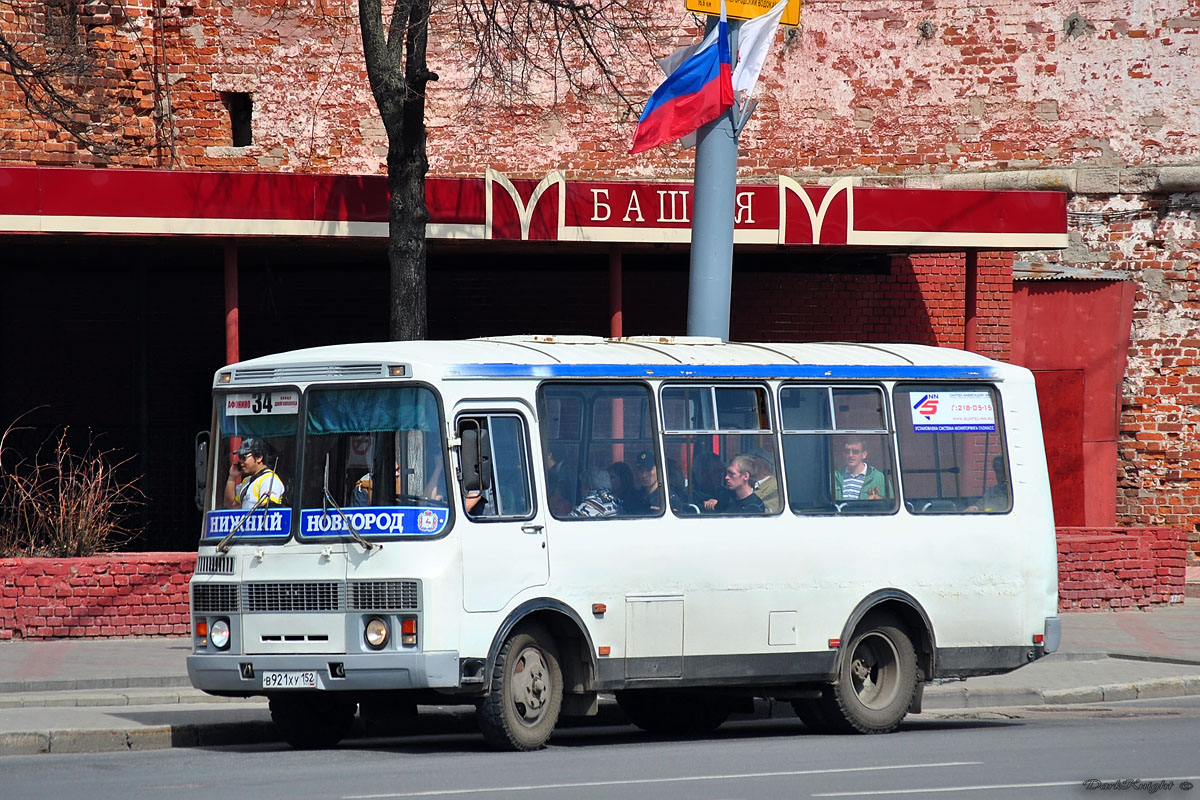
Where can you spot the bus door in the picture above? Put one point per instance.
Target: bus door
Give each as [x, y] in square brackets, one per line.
[503, 533]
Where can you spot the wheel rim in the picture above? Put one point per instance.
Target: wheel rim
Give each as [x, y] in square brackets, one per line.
[531, 689]
[874, 670]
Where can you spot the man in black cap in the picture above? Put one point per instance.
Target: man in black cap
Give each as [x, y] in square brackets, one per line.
[645, 474]
[251, 482]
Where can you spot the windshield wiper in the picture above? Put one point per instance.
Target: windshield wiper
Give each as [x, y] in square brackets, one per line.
[223, 545]
[329, 501]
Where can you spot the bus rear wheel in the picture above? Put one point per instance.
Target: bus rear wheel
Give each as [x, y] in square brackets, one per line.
[312, 721]
[522, 705]
[674, 713]
[876, 681]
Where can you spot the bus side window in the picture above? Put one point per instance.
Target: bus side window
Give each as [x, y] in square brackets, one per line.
[837, 450]
[952, 451]
[495, 476]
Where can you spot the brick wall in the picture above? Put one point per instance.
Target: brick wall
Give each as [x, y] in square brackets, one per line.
[135, 594]
[146, 594]
[920, 300]
[1120, 568]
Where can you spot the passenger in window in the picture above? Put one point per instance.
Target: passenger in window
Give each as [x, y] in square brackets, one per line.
[738, 481]
[765, 485]
[858, 480]
[251, 483]
[648, 499]
[364, 489]
[621, 477]
[598, 499]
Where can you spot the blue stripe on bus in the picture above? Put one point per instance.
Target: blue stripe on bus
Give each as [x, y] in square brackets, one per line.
[820, 371]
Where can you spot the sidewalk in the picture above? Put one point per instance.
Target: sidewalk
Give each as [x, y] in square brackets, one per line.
[71, 696]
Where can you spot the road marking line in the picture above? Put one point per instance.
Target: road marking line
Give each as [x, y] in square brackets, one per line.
[636, 781]
[931, 790]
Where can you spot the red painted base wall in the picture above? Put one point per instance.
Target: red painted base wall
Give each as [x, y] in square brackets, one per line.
[1120, 568]
[116, 595]
[146, 594]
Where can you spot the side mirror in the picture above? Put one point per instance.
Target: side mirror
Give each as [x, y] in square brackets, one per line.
[476, 457]
[200, 454]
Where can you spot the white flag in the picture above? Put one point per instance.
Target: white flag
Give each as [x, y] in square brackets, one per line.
[754, 43]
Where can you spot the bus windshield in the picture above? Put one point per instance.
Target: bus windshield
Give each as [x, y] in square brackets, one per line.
[373, 462]
[256, 451]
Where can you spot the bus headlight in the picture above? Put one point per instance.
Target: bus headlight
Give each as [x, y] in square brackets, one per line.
[218, 634]
[376, 634]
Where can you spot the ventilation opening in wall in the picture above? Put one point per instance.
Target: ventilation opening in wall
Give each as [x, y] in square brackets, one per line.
[241, 112]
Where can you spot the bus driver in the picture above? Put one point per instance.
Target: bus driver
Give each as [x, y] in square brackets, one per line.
[250, 479]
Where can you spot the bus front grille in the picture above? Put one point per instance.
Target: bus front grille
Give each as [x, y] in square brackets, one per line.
[292, 596]
[384, 596]
[214, 565]
[215, 598]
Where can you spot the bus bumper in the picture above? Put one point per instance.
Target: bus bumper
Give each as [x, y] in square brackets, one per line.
[350, 672]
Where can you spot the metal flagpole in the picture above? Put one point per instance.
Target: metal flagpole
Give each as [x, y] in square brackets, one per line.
[714, 190]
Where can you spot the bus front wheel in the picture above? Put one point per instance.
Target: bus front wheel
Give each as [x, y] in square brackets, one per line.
[312, 721]
[522, 705]
[876, 681]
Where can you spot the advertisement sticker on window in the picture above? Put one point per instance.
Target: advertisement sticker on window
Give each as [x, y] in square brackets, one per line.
[953, 412]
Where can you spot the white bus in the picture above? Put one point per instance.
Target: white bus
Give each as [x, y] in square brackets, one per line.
[522, 523]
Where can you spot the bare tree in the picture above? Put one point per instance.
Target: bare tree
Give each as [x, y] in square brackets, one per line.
[511, 46]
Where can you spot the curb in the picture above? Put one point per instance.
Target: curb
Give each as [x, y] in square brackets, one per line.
[946, 698]
[445, 719]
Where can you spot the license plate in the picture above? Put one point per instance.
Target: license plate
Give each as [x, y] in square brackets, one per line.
[305, 679]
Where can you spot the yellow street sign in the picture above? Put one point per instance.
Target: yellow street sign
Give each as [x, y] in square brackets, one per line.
[746, 9]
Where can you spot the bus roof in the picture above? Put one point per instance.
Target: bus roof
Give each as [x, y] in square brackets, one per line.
[540, 357]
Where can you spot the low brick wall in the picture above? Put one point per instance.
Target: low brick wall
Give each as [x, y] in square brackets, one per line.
[118, 594]
[1120, 568]
[146, 594]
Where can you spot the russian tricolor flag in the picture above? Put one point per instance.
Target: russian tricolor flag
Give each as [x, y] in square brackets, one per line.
[699, 91]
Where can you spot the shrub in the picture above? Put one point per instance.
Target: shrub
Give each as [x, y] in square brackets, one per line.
[62, 504]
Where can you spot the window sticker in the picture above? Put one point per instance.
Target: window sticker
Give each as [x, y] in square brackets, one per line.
[258, 524]
[258, 403]
[374, 521]
[939, 412]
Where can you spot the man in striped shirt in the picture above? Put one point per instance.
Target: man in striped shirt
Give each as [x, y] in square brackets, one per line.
[858, 480]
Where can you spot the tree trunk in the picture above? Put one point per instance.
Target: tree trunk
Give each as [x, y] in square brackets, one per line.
[398, 74]
[407, 216]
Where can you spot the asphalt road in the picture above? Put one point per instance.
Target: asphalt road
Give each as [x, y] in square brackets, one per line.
[1042, 752]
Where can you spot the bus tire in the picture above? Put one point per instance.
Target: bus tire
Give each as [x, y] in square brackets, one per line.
[674, 713]
[525, 697]
[876, 681]
[312, 721]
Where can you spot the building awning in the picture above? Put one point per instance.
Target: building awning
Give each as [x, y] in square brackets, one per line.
[56, 200]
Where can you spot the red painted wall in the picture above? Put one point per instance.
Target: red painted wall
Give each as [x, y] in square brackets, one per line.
[1080, 326]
